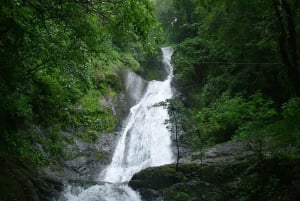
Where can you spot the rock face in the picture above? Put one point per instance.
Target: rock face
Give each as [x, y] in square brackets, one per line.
[21, 181]
[212, 178]
[230, 152]
[84, 161]
[190, 182]
[228, 172]
[81, 161]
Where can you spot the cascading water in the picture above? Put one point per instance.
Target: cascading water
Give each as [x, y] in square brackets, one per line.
[144, 141]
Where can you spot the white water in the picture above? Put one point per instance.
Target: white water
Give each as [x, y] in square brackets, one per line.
[134, 87]
[144, 142]
[105, 192]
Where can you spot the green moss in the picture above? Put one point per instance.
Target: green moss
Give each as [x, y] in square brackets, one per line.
[113, 82]
[69, 140]
[88, 135]
[101, 156]
[91, 119]
[181, 196]
[90, 101]
[131, 62]
[72, 157]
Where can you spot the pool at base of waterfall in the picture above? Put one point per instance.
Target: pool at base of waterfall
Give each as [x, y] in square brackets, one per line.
[101, 192]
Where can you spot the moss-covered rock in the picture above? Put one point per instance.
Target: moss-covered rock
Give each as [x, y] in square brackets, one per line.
[190, 182]
[276, 179]
[155, 178]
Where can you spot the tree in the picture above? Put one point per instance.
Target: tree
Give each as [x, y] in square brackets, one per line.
[56, 53]
[175, 123]
[59, 39]
[287, 41]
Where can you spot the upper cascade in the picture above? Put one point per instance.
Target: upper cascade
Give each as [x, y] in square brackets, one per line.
[144, 140]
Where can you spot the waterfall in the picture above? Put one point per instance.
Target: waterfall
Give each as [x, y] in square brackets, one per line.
[144, 142]
[134, 87]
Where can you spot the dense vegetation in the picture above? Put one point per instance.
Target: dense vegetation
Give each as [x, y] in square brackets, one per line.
[237, 65]
[58, 61]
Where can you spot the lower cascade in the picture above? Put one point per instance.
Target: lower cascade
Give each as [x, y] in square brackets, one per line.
[144, 142]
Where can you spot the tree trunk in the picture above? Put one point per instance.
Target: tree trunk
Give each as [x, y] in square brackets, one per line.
[288, 44]
[177, 140]
[177, 146]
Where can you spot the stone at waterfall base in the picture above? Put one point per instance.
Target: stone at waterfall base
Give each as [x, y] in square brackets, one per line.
[227, 174]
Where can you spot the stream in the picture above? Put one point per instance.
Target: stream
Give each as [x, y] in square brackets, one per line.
[144, 142]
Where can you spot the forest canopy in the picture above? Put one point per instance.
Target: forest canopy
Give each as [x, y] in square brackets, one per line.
[58, 56]
[237, 65]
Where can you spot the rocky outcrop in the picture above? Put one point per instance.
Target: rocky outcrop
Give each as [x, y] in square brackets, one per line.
[228, 172]
[83, 161]
[20, 180]
[190, 182]
[230, 152]
[211, 175]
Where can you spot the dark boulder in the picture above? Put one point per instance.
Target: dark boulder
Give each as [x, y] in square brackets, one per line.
[20, 180]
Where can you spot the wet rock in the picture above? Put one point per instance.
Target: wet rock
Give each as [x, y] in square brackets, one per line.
[211, 179]
[154, 178]
[79, 165]
[133, 87]
[227, 152]
[49, 188]
[150, 194]
[84, 161]
[168, 184]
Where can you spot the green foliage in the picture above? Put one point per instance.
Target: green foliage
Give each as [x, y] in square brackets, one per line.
[101, 156]
[165, 13]
[58, 56]
[175, 123]
[50, 97]
[258, 115]
[230, 67]
[182, 196]
[276, 181]
[90, 118]
[131, 62]
[195, 74]
[230, 115]
[231, 32]
[90, 102]
[237, 64]
[288, 128]
[22, 143]
[213, 89]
